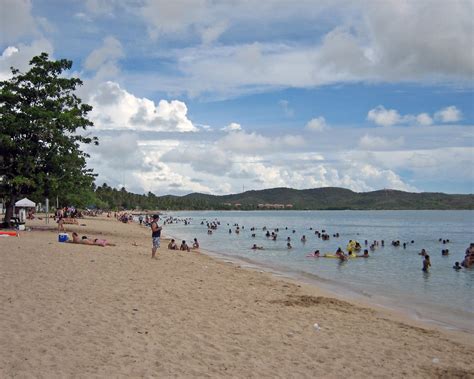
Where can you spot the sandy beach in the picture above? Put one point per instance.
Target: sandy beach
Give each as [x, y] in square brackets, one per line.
[72, 310]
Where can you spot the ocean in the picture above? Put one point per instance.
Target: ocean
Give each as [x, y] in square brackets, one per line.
[390, 277]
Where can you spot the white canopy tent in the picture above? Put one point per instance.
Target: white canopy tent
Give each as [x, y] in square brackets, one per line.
[25, 203]
[20, 208]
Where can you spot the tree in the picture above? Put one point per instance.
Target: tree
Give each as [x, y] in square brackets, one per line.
[40, 152]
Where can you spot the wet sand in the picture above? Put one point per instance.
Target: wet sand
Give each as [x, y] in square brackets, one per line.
[80, 311]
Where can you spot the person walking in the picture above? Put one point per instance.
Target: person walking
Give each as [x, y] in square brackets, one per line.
[155, 235]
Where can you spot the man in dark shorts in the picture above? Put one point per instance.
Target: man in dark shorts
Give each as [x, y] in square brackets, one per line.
[155, 235]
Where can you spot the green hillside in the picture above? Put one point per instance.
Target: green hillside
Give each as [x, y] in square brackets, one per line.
[328, 198]
[337, 198]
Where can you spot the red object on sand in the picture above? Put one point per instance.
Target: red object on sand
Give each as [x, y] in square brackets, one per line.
[12, 234]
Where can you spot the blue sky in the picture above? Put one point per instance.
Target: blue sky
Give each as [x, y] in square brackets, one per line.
[210, 96]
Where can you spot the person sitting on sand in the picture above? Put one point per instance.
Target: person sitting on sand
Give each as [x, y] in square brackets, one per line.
[172, 245]
[457, 266]
[365, 255]
[184, 246]
[426, 263]
[195, 244]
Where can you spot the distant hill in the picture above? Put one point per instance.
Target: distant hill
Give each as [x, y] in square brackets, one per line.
[327, 198]
[332, 198]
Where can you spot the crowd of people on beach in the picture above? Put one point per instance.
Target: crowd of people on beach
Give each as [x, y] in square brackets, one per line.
[353, 249]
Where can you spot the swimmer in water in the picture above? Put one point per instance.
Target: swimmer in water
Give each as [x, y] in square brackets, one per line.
[365, 255]
[255, 247]
[426, 263]
[340, 254]
[288, 246]
[316, 254]
[457, 266]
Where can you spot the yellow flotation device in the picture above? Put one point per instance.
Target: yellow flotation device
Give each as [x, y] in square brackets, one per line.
[353, 246]
[330, 255]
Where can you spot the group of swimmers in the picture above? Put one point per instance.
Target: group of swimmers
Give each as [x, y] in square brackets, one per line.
[352, 248]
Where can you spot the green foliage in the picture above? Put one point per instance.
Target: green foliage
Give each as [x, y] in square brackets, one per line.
[40, 152]
[318, 199]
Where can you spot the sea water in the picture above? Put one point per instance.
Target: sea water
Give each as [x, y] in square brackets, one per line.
[391, 276]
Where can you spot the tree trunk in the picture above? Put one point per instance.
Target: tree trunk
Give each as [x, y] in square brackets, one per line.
[10, 206]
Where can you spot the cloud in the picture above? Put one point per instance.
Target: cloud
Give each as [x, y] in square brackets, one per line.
[175, 17]
[424, 119]
[389, 117]
[367, 41]
[201, 158]
[101, 6]
[20, 55]
[317, 124]
[109, 52]
[379, 143]
[448, 114]
[253, 143]
[211, 33]
[232, 127]
[384, 117]
[115, 108]
[16, 20]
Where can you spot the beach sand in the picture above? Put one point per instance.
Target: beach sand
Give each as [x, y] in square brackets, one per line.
[86, 311]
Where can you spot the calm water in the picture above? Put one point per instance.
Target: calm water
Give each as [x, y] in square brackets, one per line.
[391, 276]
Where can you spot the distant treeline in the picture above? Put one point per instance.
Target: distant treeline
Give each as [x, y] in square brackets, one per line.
[329, 198]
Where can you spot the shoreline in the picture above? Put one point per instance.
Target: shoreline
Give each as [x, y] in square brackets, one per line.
[335, 289]
[78, 310]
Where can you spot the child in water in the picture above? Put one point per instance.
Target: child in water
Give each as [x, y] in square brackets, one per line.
[426, 263]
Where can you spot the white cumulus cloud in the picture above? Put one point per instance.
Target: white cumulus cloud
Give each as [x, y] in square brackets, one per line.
[232, 127]
[19, 56]
[317, 124]
[384, 117]
[448, 114]
[389, 117]
[115, 108]
[424, 119]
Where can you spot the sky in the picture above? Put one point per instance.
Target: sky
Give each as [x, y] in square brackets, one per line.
[225, 96]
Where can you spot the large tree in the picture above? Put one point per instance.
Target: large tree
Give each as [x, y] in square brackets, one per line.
[40, 150]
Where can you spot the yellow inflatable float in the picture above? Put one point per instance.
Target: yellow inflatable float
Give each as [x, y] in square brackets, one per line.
[353, 246]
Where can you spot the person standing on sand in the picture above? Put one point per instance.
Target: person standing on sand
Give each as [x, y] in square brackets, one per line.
[155, 235]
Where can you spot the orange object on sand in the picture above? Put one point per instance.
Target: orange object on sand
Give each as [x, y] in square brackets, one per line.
[12, 234]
